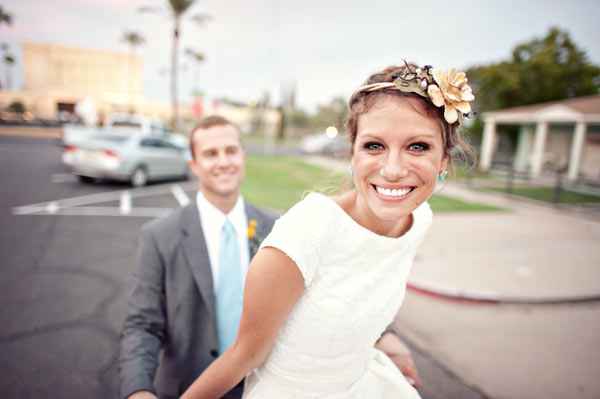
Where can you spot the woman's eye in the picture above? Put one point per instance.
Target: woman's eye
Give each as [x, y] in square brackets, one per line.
[372, 146]
[419, 147]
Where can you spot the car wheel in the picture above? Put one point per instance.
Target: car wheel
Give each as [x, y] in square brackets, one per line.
[139, 177]
[86, 179]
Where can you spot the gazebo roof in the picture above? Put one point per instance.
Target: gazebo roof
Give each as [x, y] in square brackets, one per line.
[586, 109]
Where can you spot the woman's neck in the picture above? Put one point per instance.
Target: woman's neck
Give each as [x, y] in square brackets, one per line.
[358, 210]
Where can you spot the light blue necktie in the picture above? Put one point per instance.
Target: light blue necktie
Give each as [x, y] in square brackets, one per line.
[229, 287]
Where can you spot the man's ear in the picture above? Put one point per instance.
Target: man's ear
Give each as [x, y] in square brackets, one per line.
[193, 166]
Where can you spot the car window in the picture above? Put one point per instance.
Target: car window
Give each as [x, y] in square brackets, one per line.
[148, 143]
[165, 144]
[126, 124]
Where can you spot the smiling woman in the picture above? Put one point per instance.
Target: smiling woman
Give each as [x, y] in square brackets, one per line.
[402, 142]
[328, 280]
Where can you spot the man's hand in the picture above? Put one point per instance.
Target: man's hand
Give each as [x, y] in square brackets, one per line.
[399, 353]
[143, 395]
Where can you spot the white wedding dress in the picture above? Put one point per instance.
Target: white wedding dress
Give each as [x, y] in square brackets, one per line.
[355, 282]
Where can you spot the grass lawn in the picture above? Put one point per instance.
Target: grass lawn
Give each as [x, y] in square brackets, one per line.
[279, 182]
[547, 194]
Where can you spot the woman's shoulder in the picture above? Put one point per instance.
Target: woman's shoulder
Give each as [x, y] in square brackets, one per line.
[312, 205]
[310, 217]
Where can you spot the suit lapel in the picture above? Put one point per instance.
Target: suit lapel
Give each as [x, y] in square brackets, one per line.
[196, 254]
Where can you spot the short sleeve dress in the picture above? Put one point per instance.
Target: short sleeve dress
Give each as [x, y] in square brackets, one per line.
[355, 281]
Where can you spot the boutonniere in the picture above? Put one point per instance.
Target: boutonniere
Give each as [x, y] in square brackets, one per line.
[254, 239]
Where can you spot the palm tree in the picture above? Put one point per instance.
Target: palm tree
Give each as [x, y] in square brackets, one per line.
[9, 60]
[5, 17]
[133, 39]
[177, 9]
[198, 58]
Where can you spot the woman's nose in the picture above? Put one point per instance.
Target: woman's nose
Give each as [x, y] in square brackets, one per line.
[394, 168]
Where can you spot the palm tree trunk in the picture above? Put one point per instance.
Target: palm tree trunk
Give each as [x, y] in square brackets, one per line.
[174, 74]
[129, 78]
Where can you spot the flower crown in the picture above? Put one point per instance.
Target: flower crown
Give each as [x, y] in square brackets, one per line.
[448, 89]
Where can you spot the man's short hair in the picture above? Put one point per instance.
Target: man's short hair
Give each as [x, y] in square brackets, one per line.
[207, 123]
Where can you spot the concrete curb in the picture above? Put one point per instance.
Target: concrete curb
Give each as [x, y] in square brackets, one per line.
[490, 297]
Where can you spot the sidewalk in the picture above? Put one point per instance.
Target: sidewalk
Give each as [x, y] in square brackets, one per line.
[531, 253]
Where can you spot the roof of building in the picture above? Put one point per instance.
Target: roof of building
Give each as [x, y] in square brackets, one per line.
[587, 107]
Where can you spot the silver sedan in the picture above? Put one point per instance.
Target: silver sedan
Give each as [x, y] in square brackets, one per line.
[134, 158]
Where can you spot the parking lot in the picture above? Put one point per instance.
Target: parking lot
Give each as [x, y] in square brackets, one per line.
[67, 249]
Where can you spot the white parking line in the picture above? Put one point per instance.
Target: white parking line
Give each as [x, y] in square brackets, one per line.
[81, 205]
[52, 207]
[180, 195]
[99, 197]
[125, 205]
[105, 211]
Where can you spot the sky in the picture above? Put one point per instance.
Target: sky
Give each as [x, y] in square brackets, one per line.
[325, 48]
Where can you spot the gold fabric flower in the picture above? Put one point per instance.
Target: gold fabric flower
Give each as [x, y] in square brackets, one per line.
[252, 229]
[451, 91]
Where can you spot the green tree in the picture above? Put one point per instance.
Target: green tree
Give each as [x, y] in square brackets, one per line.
[542, 69]
[17, 107]
[177, 9]
[133, 39]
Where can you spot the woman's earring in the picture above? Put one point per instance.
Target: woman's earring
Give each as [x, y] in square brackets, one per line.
[350, 170]
[441, 177]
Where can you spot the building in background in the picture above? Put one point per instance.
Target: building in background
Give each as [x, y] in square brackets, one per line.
[57, 78]
[558, 135]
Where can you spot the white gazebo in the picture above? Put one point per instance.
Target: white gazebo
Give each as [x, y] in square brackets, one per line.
[561, 126]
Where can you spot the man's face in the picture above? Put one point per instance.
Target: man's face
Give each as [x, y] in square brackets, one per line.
[219, 162]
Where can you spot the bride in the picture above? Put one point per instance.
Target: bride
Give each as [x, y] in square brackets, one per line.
[332, 274]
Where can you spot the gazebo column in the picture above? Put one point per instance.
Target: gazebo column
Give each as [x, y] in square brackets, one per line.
[537, 157]
[576, 150]
[487, 144]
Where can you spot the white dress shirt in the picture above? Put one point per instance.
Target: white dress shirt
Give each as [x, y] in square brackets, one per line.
[212, 219]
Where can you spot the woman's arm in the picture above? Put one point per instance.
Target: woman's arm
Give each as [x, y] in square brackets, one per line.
[273, 286]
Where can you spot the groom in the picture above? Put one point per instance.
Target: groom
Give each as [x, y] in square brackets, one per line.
[187, 294]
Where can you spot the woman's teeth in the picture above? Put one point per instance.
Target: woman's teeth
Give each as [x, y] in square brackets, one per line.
[392, 192]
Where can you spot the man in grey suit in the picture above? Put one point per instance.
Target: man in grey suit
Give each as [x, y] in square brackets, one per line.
[175, 301]
[176, 305]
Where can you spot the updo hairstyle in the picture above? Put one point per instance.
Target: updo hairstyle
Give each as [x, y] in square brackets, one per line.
[455, 146]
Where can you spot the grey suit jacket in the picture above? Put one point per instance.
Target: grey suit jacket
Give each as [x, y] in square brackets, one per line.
[171, 306]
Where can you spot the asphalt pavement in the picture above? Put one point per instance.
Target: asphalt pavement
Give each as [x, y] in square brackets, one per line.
[67, 252]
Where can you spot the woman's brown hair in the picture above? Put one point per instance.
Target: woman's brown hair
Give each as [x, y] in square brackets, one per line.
[361, 102]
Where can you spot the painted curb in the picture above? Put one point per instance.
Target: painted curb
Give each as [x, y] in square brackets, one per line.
[489, 297]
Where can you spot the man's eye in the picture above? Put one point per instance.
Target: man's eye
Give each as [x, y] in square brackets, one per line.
[372, 146]
[419, 147]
